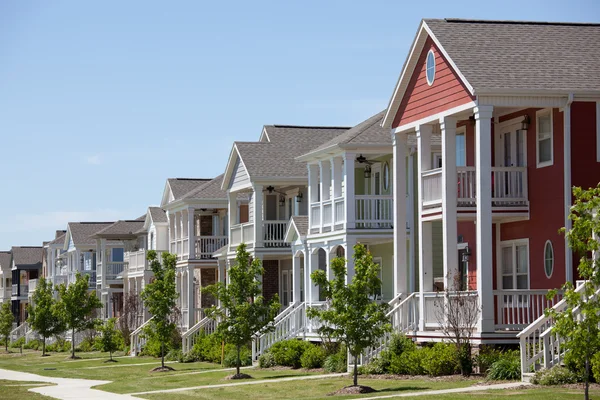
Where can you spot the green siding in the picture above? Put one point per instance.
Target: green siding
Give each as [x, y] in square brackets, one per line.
[386, 252]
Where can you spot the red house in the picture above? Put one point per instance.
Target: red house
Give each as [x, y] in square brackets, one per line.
[517, 105]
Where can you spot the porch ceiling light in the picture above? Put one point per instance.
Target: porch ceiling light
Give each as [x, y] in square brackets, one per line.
[363, 160]
[525, 123]
[270, 189]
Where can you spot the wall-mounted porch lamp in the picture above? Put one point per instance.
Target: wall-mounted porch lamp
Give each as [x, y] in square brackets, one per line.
[525, 123]
[363, 160]
[466, 254]
[299, 197]
[281, 201]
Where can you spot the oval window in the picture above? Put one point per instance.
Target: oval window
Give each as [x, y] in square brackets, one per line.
[430, 71]
[386, 176]
[548, 259]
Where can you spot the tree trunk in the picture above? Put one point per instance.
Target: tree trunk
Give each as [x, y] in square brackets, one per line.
[6, 344]
[43, 346]
[586, 395]
[237, 365]
[162, 355]
[73, 343]
[355, 371]
[110, 355]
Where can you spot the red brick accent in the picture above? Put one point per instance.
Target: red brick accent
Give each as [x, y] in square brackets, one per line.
[270, 283]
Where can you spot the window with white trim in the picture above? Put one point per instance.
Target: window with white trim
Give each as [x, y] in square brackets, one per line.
[461, 148]
[515, 264]
[548, 259]
[430, 68]
[544, 140]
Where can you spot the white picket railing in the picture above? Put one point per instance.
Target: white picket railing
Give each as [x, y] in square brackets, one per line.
[432, 187]
[288, 324]
[188, 338]
[374, 211]
[540, 346]
[207, 245]
[516, 309]
[339, 211]
[274, 233]
[242, 233]
[137, 339]
[315, 216]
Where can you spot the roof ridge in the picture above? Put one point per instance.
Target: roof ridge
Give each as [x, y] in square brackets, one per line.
[309, 126]
[93, 222]
[513, 22]
[376, 118]
[191, 179]
[29, 247]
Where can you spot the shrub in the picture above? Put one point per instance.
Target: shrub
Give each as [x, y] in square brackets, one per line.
[486, 357]
[289, 352]
[33, 345]
[408, 363]
[86, 345]
[266, 360]
[153, 345]
[507, 367]
[18, 343]
[375, 367]
[337, 362]
[174, 355]
[230, 359]
[441, 359]
[596, 367]
[207, 348]
[400, 344]
[555, 376]
[313, 357]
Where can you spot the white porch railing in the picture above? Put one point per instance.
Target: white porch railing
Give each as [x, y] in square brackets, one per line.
[206, 245]
[274, 233]
[327, 206]
[136, 261]
[137, 339]
[288, 324]
[59, 280]
[315, 215]
[509, 187]
[113, 269]
[374, 211]
[540, 347]
[188, 338]
[6, 292]
[339, 211]
[242, 233]
[32, 285]
[19, 332]
[516, 309]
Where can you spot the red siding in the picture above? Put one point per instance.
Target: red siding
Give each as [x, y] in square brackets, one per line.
[421, 100]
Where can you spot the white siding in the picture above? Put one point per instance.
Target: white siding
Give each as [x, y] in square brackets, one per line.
[239, 178]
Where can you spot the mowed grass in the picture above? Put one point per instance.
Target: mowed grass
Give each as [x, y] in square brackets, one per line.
[532, 393]
[126, 376]
[313, 389]
[17, 390]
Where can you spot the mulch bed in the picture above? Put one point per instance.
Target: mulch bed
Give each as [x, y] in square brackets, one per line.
[359, 389]
[166, 368]
[238, 376]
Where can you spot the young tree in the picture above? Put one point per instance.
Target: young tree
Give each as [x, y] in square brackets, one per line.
[77, 306]
[244, 311]
[6, 322]
[578, 323]
[130, 317]
[110, 339]
[160, 298]
[457, 312]
[44, 315]
[354, 317]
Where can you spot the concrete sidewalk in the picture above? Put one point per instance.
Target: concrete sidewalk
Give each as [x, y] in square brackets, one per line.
[65, 388]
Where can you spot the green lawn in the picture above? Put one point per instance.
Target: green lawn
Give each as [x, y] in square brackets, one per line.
[16, 390]
[534, 393]
[313, 389]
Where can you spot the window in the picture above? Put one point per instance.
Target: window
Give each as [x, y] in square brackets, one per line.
[117, 254]
[386, 176]
[548, 259]
[515, 265]
[545, 148]
[430, 71]
[152, 241]
[461, 149]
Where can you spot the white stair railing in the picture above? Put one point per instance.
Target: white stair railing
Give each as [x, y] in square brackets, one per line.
[539, 345]
[19, 332]
[288, 324]
[137, 339]
[188, 338]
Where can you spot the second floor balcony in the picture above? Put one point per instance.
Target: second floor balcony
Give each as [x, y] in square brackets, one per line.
[273, 234]
[370, 212]
[20, 290]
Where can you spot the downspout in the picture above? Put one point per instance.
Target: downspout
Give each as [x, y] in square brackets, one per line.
[567, 185]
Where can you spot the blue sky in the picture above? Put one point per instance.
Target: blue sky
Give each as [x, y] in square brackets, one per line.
[100, 102]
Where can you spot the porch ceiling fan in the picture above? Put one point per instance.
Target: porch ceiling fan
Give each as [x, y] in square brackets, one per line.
[363, 160]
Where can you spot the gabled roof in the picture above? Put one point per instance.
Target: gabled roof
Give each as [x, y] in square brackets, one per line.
[81, 232]
[298, 226]
[59, 238]
[209, 190]
[27, 255]
[181, 186]
[5, 260]
[158, 215]
[510, 57]
[120, 230]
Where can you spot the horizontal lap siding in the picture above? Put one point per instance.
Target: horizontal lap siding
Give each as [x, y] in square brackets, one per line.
[240, 177]
[421, 100]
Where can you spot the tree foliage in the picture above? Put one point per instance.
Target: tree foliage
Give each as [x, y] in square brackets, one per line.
[244, 311]
[353, 316]
[110, 339]
[578, 323]
[77, 306]
[6, 322]
[44, 314]
[160, 297]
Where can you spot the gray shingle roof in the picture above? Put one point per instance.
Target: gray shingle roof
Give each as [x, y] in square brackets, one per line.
[121, 227]
[209, 190]
[301, 223]
[81, 232]
[60, 239]
[522, 55]
[5, 260]
[182, 186]
[158, 215]
[27, 256]
[277, 158]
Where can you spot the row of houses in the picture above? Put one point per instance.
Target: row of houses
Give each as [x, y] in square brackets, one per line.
[468, 173]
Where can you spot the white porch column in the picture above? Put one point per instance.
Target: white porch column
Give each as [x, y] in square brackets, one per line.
[349, 191]
[325, 173]
[336, 187]
[296, 265]
[191, 234]
[449, 199]
[400, 205]
[425, 245]
[313, 289]
[483, 168]
[104, 265]
[257, 211]
[350, 242]
[567, 182]
[191, 298]
[313, 188]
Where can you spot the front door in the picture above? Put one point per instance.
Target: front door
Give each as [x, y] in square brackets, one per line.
[463, 269]
[286, 288]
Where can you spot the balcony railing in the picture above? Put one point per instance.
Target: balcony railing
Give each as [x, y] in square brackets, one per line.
[509, 187]
[374, 211]
[20, 290]
[242, 233]
[59, 280]
[6, 292]
[32, 285]
[205, 246]
[274, 233]
[112, 270]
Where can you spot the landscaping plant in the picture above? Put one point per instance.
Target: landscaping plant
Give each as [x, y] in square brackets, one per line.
[110, 338]
[6, 322]
[353, 317]
[77, 306]
[244, 311]
[507, 367]
[44, 315]
[159, 297]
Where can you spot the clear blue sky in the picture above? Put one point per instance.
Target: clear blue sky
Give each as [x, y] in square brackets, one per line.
[100, 102]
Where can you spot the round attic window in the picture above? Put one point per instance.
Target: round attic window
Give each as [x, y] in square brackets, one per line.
[430, 71]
